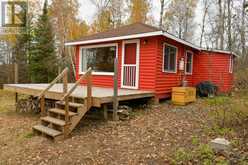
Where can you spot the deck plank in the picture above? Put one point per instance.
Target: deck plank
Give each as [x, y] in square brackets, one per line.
[100, 94]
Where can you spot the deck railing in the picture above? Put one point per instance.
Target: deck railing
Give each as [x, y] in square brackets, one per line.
[41, 97]
[129, 72]
[87, 77]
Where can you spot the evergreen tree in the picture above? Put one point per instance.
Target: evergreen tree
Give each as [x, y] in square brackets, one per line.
[21, 53]
[43, 60]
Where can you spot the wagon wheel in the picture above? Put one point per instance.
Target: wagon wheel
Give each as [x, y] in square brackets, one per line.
[22, 105]
[34, 104]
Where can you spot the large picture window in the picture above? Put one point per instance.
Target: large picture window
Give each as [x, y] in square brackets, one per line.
[170, 58]
[100, 58]
[189, 62]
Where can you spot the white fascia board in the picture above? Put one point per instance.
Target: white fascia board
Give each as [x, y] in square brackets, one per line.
[156, 33]
[181, 41]
[220, 51]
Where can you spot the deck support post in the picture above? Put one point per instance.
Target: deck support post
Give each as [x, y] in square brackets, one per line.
[154, 101]
[105, 111]
[115, 98]
[16, 100]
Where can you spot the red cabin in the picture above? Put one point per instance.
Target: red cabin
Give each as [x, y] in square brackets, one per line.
[151, 59]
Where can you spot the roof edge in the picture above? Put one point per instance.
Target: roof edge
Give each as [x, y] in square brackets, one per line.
[133, 36]
[220, 51]
[168, 35]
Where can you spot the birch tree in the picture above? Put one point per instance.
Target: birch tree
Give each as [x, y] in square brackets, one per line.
[206, 4]
[179, 18]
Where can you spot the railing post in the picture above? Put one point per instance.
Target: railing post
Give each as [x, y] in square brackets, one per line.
[65, 90]
[89, 89]
[115, 98]
[42, 105]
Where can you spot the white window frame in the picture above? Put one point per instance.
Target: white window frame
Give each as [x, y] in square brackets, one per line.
[231, 63]
[163, 69]
[186, 58]
[96, 46]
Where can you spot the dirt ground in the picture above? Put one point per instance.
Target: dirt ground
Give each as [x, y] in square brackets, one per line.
[151, 136]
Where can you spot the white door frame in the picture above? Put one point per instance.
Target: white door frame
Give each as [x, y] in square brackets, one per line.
[137, 41]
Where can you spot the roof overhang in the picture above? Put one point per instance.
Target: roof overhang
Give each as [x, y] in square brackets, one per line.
[220, 51]
[156, 33]
[168, 35]
[150, 34]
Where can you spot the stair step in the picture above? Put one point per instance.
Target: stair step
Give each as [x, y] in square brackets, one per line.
[61, 111]
[53, 120]
[71, 104]
[47, 130]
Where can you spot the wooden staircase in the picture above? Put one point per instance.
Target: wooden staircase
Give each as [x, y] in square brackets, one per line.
[54, 125]
[60, 121]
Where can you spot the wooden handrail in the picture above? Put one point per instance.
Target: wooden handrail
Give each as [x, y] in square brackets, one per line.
[67, 94]
[41, 96]
[77, 83]
[61, 75]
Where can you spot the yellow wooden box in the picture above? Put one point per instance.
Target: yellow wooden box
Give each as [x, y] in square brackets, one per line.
[183, 95]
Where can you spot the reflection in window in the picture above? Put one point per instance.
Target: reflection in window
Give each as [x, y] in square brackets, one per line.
[100, 59]
[170, 54]
[189, 62]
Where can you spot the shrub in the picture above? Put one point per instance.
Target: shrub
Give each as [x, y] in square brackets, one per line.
[206, 88]
[181, 156]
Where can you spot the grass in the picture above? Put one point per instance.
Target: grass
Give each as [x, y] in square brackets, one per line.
[7, 101]
[228, 117]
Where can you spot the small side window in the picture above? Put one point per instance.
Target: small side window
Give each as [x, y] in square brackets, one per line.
[189, 62]
[231, 64]
[170, 59]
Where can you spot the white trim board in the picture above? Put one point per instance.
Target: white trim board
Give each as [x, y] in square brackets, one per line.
[137, 41]
[149, 34]
[186, 58]
[80, 72]
[176, 64]
[156, 33]
[220, 51]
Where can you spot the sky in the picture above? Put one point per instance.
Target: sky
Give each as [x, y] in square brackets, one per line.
[87, 12]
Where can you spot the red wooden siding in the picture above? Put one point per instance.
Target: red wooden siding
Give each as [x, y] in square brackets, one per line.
[165, 81]
[214, 67]
[211, 66]
[147, 70]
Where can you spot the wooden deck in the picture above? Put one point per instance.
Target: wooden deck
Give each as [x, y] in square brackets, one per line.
[100, 95]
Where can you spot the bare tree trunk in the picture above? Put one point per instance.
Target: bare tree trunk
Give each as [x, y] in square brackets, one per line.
[185, 33]
[243, 40]
[206, 6]
[221, 25]
[229, 24]
[161, 14]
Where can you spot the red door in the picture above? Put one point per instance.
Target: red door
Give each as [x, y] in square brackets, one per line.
[129, 66]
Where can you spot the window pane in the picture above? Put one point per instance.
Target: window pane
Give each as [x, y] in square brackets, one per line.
[166, 58]
[189, 62]
[99, 59]
[170, 58]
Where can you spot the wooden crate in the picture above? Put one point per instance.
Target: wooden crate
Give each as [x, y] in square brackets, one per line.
[183, 95]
